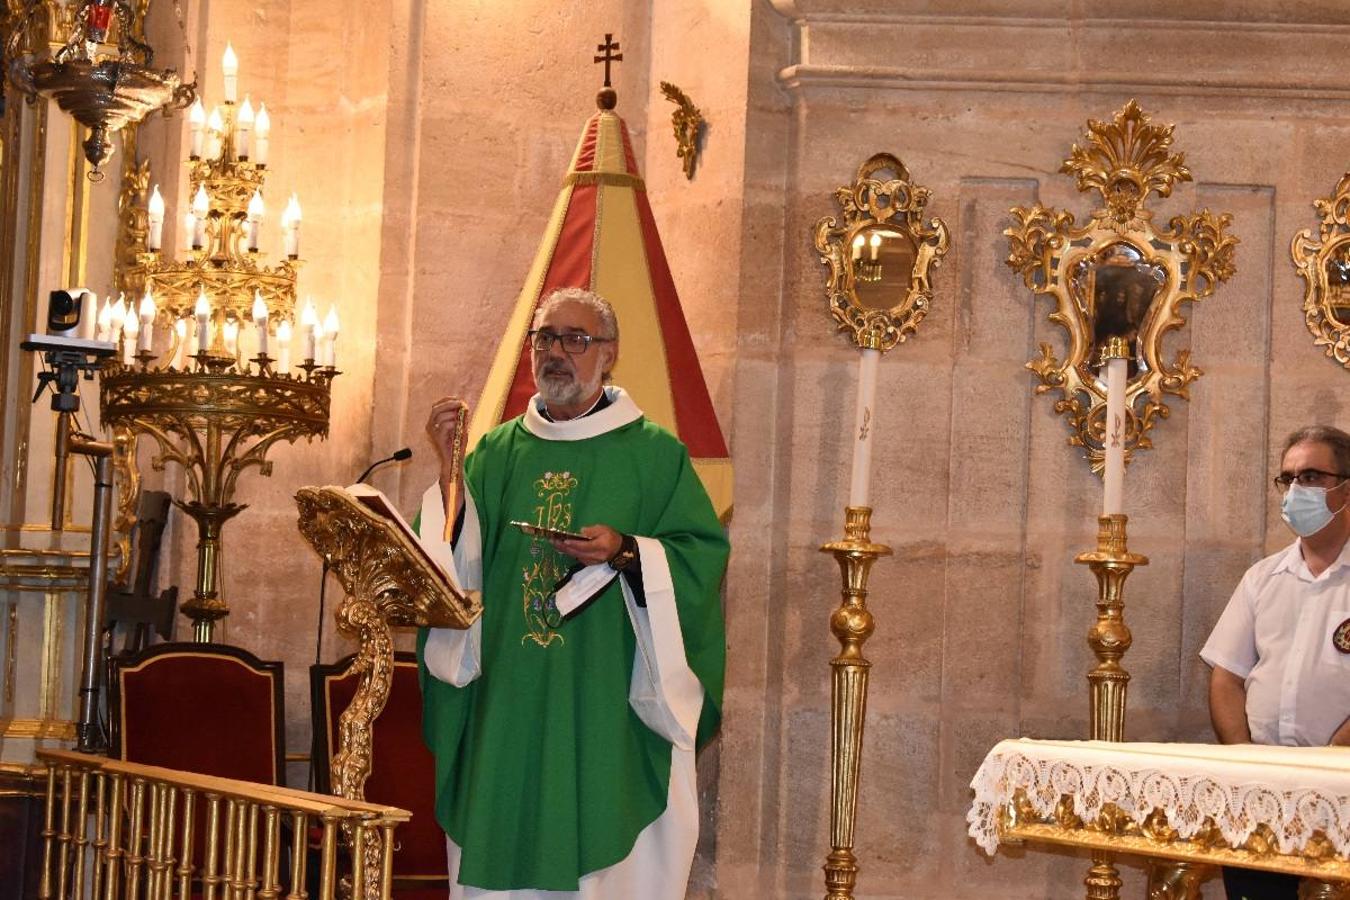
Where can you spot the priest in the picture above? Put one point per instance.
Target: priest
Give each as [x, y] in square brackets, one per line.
[565, 721]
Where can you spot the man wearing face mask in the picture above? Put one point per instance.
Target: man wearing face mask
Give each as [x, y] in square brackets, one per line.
[1280, 653]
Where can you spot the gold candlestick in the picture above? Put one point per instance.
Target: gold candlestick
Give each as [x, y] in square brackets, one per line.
[852, 624]
[1108, 681]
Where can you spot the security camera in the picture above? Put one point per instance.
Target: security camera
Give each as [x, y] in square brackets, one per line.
[68, 310]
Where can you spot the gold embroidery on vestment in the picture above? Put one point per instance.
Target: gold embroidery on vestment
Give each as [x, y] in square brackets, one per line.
[546, 565]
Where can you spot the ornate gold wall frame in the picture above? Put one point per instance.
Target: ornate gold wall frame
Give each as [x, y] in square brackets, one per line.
[1119, 275]
[1324, 265]
[687, 120]
[881, 255]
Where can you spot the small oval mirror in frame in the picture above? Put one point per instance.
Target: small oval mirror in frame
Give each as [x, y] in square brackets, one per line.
[881, 255]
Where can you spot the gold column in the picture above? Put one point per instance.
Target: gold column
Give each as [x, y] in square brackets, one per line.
[1108, 681]
[852, 624]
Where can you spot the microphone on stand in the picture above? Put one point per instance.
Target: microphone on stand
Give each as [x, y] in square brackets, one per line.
[398, 456]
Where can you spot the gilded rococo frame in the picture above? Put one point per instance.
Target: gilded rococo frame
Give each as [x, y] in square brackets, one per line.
[1118, 275]
[883, 220]
[1324, 265]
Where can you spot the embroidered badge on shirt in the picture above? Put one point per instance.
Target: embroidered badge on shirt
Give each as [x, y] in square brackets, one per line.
[1340, 638]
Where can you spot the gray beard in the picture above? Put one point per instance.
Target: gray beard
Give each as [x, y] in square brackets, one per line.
[566, 393]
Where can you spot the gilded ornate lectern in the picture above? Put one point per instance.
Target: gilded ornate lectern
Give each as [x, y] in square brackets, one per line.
[390, 581]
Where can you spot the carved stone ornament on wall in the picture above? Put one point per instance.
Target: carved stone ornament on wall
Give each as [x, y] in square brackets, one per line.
[1118, 275]
[881, 255]
[1324, 266]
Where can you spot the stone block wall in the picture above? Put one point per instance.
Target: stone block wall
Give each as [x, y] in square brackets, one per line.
[433, 147]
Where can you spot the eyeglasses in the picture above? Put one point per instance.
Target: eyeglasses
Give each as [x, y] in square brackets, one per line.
[573, 344]
[1309, 478]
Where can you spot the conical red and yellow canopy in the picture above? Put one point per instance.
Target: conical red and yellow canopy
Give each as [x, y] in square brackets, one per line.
[602, 237]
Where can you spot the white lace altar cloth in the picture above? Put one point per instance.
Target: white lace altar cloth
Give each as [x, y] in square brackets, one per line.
[1295, 791]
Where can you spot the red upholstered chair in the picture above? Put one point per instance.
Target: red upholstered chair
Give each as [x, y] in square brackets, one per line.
[403, 772]
[204, 708]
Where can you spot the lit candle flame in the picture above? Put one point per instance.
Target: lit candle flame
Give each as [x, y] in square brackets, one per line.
[156, 209]
[263, 123]
[147, 308]
[255, 206]
[229, 63]
[245, 119]
[201, 204]
[260, 310]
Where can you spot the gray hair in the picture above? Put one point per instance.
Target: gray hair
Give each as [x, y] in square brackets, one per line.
[1333, 437]
[609, 323]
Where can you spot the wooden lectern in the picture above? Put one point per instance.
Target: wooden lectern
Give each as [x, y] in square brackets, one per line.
[390, 580]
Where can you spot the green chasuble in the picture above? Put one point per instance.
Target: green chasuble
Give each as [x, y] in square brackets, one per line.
[544, 773]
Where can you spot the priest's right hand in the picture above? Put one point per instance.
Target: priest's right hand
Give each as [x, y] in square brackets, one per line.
[443, 428]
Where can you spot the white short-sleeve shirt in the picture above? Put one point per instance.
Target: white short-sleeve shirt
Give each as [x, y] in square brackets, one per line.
[1276, 633]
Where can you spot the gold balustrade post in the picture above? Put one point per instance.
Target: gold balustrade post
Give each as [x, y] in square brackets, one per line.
[184, 871]
[271, 874]
[134, 857]
[100, 843]
[1108, 682]
[852, 624]
[299, 831]
[63, 837]
[48, 837]
[115, 852]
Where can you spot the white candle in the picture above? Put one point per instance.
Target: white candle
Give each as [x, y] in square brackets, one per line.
[874, 242]
[89, 316]
[147, 317]
[290, 222]
[180, 343]
[230, 64]
[201, 207]
[189, 230]
[231, 335]
[260, 322]
[1114, 439]
[130, 332]
[243, 126]
[864, 426]
[309, 324]
[105, 320]
[196, 127]
[262, 131]
[117, 317]
[216, 136]
[202, 311]
[857, 247]
[283, 347]
[155, 219]
[255, 214]
[331, 327]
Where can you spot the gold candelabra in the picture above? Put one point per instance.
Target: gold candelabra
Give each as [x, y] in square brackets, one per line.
[1108, 682]
[217, 408]
[852, 624]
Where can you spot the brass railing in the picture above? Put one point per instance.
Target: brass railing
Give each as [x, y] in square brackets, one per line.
[120, 830]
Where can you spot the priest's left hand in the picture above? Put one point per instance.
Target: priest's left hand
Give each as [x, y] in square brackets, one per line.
[603, 543]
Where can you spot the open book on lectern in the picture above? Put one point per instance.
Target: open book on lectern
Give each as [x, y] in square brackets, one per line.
[439, 556]
[372, 548]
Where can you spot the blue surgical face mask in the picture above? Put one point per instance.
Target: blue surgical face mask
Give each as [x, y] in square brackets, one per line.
[1305, 510]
